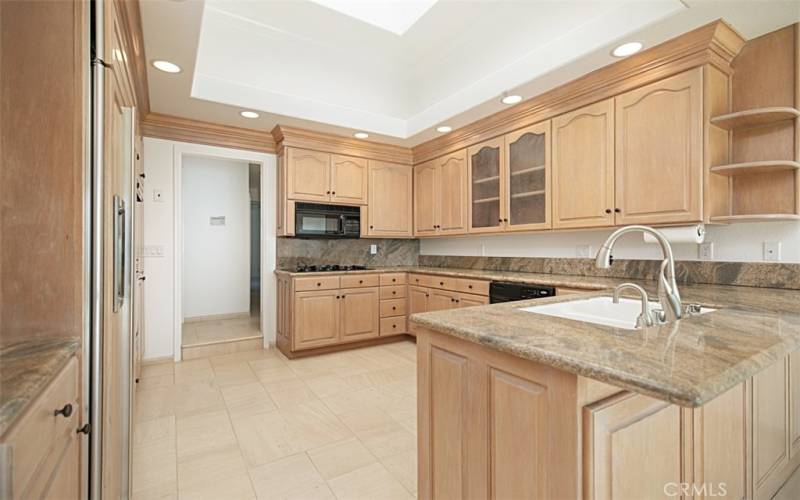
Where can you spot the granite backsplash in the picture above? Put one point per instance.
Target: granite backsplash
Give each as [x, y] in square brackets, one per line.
[304, 251]
[756, 274]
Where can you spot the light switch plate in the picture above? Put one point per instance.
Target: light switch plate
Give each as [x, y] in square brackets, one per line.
[772, 250]
[154, 250]
[706, 251]
[373, 249]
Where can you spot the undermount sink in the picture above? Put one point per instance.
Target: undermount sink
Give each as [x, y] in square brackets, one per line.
[600, 311]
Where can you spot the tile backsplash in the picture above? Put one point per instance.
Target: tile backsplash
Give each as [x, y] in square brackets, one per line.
[391, 252]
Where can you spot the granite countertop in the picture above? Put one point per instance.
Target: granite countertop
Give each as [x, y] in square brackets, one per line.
[688, 362]
[25, 370]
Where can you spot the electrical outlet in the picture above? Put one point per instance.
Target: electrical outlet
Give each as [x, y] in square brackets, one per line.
[373, 249]
[706, 251]
[158, 195]
[584, 251]
[772, 250]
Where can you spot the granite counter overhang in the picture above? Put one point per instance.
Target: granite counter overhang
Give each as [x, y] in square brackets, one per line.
[689, 362]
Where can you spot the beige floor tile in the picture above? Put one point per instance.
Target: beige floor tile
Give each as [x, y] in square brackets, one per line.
[356, 401]
[275, 376]
[381, 434]
[264, 437]
[216, 474]
[154, 403]
[293, 477]
[247, 399]
[160, 368]
[154, 466]
[312, 424]
[288, 393]
[150, 431]
[236, 357]
[341, 457]
[233, 373]
[156, 381]
[204, 433]
[403, 467]
[370, 482]
[267, 363]
[194, 376]
[167, 491]
[202, 397]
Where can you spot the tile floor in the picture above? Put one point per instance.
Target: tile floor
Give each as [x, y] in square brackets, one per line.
[257, 425]
[223, 330]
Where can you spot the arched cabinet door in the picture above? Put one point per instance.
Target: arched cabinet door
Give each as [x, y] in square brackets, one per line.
[425, 199]
[308, 175]
[528, 178]
[348, 180]
[451, 188]
[486, 187]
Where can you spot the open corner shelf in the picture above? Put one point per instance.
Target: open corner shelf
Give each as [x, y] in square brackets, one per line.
[754, 117]
[726, 219]
[756, 167]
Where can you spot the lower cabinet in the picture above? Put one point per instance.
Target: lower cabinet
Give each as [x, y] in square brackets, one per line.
[359, 314]
[316, 318]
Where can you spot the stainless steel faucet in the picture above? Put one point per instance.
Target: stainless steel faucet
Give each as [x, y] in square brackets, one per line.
[672, 308]
[645, 317]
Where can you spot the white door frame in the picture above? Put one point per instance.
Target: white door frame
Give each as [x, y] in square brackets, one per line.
[267, 163]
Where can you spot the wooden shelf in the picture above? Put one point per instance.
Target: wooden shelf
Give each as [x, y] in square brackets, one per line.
[486, 179]
[485, 200]
[754, 117]
[754, 218]
[756, 167]
[527, 193]
[527, 170]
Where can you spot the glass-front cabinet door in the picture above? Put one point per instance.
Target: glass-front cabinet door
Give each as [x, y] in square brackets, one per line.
[528, 178]
[487, 210]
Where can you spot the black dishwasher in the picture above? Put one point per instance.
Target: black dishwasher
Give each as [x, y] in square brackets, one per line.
[504, 291]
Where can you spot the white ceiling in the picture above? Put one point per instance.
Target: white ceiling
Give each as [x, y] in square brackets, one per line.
[298, 62]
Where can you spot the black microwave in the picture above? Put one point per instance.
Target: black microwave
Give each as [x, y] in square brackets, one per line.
[313, 220]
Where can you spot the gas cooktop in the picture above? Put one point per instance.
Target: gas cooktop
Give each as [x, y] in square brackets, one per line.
[327, 268]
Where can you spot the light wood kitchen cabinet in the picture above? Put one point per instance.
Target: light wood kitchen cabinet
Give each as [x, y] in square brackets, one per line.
[583, 167]
[418, 299]
[528, 178]
[425, 199]
[659, 151]
[316, 318]
[325, 178]
[349, 180]
[359, 313]
[469, 300]
[486, 166]
[390, 207]
[771, 429]
[440, 300]
[440, 196]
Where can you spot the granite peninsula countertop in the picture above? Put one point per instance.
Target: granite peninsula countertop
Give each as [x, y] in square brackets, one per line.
[688, 362]
[25, 370]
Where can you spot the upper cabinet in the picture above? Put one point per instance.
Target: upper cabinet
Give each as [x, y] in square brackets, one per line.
[527, 177]
[583, 167]
[390, 194]
[486, 186]
[325, 178]
[659, 151]
[440, 195]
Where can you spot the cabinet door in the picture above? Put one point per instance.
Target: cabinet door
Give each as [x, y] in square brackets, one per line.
[439, 300]
[66, 480]
[583, 167]
[349, 180]
[770, 429]
[360, 313]
[390, 200]
[469, 300]
[308, 175]
[486, 209]
[452, 193]
[418, 299]
[659, 151]
[316, 318]
[527, 177]
[425, 199]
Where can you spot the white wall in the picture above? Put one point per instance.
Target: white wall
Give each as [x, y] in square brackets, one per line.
[216, 258]
[162, 311]
[733, 243]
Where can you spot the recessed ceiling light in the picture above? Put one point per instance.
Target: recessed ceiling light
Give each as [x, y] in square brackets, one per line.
[361, 135]
[444, 129]
[249, 114]
[511, 99]
[627, 49]
[167, 66]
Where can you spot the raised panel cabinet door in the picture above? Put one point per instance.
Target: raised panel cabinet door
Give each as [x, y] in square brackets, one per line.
[583, 167]
[659, 151]
[452, 193]
[486, 193]
[469, 300]
[439, 300]
[794, 403]
[770, 429]
[308, 175]
[316, 318]
[425, 199]
[527, 178]
[66, 480]
[360, 313]
[418, 299]
[390, 200]
[632, 448]
[349, 179]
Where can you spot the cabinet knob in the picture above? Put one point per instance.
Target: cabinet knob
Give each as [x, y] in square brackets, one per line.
[327, 192]
[469, 286]
[608, 210]
[394, 292]
[371, 227]
[338, 297]
[394, 280]
[86, 429]
[394, 308]
[499, 220]
[452, 300]
[343, 296]
[394, 326]
[319, 284]
[505, 220]
[333, 192]
[441, 283]
[427, 295]
[617, 210]
[360, 281]
[66, 411]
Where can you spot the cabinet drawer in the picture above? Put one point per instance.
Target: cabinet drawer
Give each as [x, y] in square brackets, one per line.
[393, 307]
[420, 280]
[393, 292]
[477, 287]
[443, 282]
[41, 432]
[359, 281]
[393, 326]
[393, 279]
[316, 283]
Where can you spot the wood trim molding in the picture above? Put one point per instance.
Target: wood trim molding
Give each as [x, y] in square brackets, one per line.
[130, 22]
[161, 126]
[715, 43]
[300, 138]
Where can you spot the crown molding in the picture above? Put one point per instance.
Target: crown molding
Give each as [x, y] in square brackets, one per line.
[130, 22]
[174, 128]
[300, 138]
[715, 43]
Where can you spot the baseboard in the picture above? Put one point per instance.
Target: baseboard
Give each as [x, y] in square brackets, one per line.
[160, 359]
[217, 317]
[220, 348]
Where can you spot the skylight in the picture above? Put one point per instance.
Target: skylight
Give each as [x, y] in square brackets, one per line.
[396, 16]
